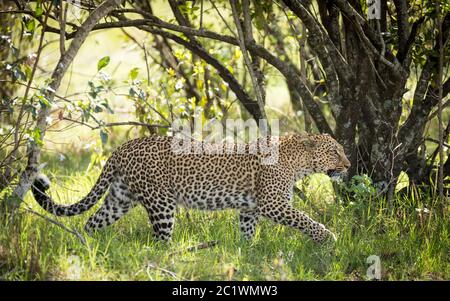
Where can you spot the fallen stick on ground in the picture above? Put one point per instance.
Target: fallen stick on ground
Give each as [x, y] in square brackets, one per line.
[203, 245]
[173, 274]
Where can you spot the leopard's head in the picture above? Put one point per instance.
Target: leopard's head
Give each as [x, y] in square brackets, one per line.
[328, 156]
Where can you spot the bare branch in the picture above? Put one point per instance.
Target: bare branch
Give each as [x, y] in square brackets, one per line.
[402, 22]
[248, 38]
[113, 124]
[62, 26]
[438, 142]
[248, 63]
[61, 225]
[200, 246]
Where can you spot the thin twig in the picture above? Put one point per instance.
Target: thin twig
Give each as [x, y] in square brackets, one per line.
[146, 63]
[71, 231]
[112, 124]
[437, 142]
[62, 25]
[221, 17]
[201, 14]
[173, 274]
[439, 110]
[241, 40]
[435, 113]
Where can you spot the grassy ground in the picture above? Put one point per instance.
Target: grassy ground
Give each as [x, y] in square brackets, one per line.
[410, 243]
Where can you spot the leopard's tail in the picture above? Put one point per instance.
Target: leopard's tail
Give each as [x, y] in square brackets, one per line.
[42, 183]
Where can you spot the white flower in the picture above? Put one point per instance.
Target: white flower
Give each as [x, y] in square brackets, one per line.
[70, 107]
[28, 137]
[48, 119]
[179, 84]
[61, 157]
[88, 146]
[104, 76]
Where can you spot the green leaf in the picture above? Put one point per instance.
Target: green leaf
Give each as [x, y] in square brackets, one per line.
[103, 136]
[43, 101]
[98, 109]
[107, 107]
[31, 25]
[133, 73]
[35, 136]
[132, 92]
[39, 11]
[28, 71]
[18, 74]
[103, 62]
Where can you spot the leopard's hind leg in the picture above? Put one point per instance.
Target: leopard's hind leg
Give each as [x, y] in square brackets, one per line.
[161, 212]
[118, 202]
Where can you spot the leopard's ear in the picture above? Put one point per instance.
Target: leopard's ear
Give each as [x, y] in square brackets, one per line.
[309, 143]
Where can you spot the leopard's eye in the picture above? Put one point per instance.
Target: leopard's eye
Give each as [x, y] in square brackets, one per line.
[337, 155]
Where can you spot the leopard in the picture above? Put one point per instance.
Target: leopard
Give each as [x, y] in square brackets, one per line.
[149, 171]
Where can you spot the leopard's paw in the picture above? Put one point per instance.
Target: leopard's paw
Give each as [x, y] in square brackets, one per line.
[325, 236]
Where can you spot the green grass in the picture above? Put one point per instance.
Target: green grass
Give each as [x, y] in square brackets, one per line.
[411, 244]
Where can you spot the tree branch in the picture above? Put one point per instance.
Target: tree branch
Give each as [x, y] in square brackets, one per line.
[248, 63]
[403, 25]
[113, 124]
[248, 38]
[61, 225]
[404, 54]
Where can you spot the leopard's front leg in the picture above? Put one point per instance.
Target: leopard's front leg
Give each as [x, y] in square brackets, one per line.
[280, 211]
[248, 220]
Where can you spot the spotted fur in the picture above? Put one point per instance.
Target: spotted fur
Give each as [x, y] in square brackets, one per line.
[147, 171]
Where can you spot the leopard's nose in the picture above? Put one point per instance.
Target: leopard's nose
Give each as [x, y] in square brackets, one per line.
[347, 163]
